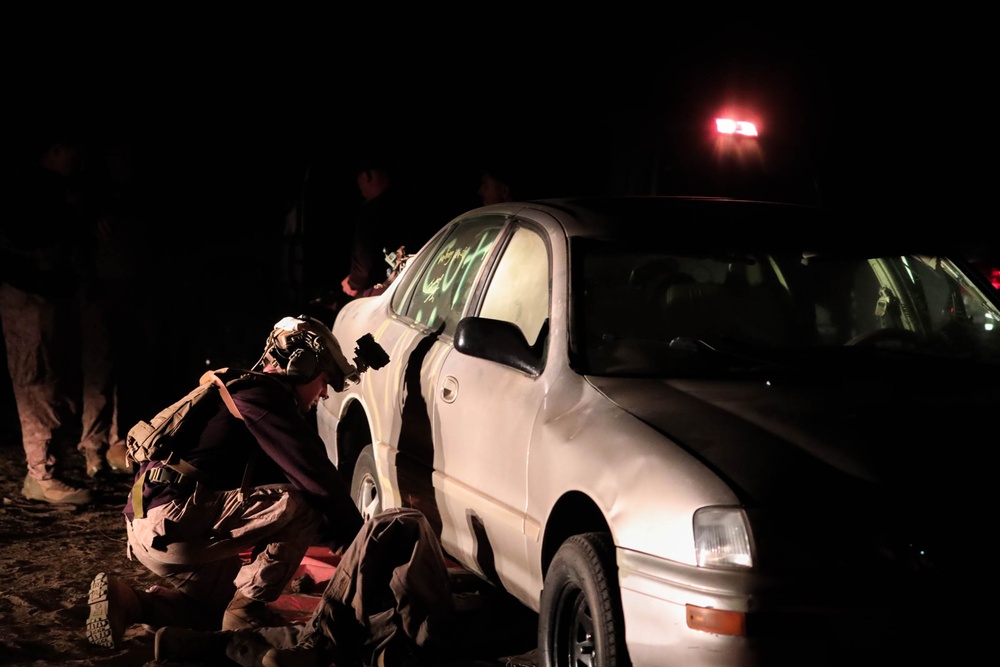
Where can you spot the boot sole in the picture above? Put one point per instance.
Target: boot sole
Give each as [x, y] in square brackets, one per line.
[99, 632]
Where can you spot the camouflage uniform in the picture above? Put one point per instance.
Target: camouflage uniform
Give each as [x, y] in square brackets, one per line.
[39, 333]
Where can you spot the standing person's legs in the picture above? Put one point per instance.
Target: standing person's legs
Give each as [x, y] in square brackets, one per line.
[100, 440]
[40, 360]
[97, 410]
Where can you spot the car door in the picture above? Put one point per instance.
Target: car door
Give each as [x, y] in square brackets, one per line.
[484, 413]
[428, 304]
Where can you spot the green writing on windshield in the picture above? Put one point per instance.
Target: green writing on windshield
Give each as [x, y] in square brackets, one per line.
[446, 285]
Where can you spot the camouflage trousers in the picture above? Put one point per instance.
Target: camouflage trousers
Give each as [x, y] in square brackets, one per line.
[59, 361]
[196, 545]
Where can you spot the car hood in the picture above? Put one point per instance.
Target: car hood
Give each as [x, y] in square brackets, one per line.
[878, 448]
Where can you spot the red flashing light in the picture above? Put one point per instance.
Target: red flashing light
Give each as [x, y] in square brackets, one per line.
[731, 126]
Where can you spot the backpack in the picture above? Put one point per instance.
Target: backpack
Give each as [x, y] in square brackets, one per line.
[154, 440]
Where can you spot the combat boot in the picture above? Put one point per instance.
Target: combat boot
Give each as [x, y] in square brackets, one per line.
[117, 458]
[95, 462]
[243, 613]
[114, 606]
[54, 491]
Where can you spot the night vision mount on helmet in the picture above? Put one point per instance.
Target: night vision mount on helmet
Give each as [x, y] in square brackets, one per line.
[305, 347]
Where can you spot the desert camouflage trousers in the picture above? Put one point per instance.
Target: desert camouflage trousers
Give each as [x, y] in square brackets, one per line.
[59, 361]
[41, 336]
[196, 545]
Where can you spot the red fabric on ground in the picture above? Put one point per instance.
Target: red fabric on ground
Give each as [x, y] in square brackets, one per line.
[319, 563]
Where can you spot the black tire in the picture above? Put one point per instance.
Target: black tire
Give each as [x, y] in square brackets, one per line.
[365, 489]
[580, 619]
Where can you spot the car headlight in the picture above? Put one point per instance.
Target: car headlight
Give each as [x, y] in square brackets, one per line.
[722, 537]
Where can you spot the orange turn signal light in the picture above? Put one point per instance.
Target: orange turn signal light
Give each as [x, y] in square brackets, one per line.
[717, 621]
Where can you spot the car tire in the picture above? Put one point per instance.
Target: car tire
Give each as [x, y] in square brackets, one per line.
[580, 618]
[365, 489]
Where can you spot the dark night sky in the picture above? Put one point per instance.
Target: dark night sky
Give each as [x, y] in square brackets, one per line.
[225, 114]
[249, 89]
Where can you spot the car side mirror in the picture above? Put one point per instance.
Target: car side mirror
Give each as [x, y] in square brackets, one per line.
[497, 340]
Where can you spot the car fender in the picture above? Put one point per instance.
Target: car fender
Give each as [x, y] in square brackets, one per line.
[591, 446]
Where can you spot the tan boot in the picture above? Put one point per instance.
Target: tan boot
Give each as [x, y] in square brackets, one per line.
[95, 462]
[54, 491]
[244, 612]
[117, 458]
[114, 606]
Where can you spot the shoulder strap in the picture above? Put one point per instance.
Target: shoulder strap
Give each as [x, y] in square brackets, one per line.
[186, 468]
[223, 385]
[227, 398]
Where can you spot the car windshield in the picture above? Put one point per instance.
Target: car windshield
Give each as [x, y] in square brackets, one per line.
[641, 312]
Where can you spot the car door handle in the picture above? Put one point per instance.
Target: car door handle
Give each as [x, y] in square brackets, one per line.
[449, 389]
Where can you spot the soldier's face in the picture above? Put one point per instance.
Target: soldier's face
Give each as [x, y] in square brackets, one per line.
[310, 393]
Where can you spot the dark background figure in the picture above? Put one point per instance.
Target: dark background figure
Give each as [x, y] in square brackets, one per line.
[41, 240]
[115, 328]
[493, 189]
[379, 227]
[506, 175]
[388, 217]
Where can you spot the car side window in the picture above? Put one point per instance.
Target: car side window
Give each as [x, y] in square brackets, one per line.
[441, 289]
[518, 292]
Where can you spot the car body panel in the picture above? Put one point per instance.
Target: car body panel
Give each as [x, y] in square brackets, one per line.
[578, 444]
[485, 454]
[509, 459]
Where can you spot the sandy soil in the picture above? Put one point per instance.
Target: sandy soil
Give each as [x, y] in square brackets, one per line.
[49, 555]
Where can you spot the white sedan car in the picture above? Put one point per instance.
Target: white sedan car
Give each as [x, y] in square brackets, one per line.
[687, 431]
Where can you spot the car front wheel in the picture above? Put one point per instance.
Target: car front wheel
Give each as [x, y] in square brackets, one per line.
[365, 489]
[580, 620]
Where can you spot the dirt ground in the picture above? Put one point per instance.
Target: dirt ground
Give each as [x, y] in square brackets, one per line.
[49, 555]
